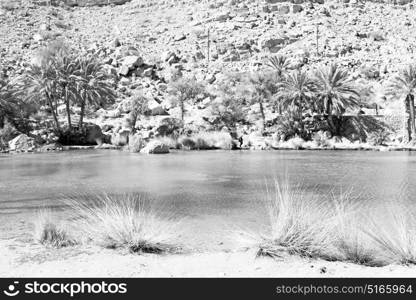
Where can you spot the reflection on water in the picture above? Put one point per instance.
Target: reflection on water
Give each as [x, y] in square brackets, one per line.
[200, 183]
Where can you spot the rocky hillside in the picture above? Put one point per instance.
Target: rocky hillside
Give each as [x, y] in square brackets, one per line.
[242, 33]
[147, 43]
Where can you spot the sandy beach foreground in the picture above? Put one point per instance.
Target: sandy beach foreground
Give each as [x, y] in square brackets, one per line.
[20, 259]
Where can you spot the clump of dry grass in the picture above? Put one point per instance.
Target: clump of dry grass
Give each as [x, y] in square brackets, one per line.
[298, 224]
[127, 222]
[337, 228]
[350, 240]
[47, 232]
[395, 234]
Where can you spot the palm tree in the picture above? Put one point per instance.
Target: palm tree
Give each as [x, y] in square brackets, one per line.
[297, 89]
[92, 84]
[41, 86]
[5, 101]
[337, 91]
[403, 86]
[66, 67]
[185, 90]
[279, 63]
[261, 87]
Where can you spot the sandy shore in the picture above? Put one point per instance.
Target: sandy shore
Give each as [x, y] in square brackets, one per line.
[20, 259]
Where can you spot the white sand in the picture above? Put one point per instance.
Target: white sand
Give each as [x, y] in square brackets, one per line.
[19, 259]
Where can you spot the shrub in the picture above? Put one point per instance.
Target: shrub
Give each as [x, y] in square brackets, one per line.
[322, 138]
[136, 142]
[187, 143]
[378, 138]
[169, 141]
[184, 90]
[138, 105]
[207, 140]
[296, 143]
[291, 124]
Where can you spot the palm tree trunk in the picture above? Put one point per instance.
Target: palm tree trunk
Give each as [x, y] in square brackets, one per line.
[330, 118]
[407, 124]
[68, 112]
[328, 106]
[412, 117]
[54, 113]
[182, 107]
[263, 117]
[81, 115]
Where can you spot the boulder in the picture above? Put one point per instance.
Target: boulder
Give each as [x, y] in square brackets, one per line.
[132, 61]
[297, 8]
[155, 147]
[22, 143]
[285, 9]
[222, 17]
[272, 44]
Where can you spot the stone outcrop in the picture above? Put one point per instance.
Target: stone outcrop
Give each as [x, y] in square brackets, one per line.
[22, 143]
[155, 147]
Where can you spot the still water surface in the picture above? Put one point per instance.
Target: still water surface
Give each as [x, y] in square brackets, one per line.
[215, 188]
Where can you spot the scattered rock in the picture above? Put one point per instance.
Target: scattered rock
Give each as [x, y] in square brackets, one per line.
[155, 147]
[22, 143]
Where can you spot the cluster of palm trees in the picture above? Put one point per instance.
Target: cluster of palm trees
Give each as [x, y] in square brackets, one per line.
[328, 91]
[58, 77]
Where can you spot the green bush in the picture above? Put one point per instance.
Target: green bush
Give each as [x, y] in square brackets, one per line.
[378, 138]
[291, 124]
[207, 141]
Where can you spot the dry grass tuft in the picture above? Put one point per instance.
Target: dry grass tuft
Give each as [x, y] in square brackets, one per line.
[395, 234]
[336, 229]
[48, 233]
[127, 222]
[298, 224]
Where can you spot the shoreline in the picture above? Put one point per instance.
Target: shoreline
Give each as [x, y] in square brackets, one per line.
[360, 147]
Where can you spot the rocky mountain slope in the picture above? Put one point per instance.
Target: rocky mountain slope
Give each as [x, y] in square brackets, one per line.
[147, 43]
